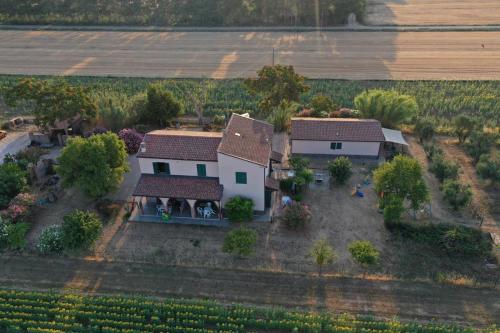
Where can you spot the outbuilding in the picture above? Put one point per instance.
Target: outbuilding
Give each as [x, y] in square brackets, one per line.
[337, 137]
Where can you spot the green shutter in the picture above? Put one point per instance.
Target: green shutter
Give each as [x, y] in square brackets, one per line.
[202, 170]
[167, 169]
[241, 177]
[156, 169]
[339, 145]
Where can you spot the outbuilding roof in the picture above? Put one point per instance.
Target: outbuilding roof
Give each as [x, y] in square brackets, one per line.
[394, 136]
[337, 129]
[195, 188]
[181, 145]
[248, 139]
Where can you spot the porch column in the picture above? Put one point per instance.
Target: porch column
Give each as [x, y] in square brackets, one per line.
[191, 203]
[164, 201]
[217, 203]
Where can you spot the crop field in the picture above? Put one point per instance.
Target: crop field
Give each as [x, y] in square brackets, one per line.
[225, 55]
[433, 12]
[440, 99]
[53, 312]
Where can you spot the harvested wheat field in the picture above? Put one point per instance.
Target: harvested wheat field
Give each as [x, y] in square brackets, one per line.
[433, 12]
[333, 55]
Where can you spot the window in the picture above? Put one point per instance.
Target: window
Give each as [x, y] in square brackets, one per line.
[202, 170]
[241, 178]
[160, 168]
[336, 145]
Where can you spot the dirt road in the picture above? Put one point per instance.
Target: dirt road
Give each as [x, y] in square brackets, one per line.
[336, 55]
[433, 12]
[382, 298]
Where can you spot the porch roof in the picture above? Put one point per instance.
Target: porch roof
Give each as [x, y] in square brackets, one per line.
[195, 188]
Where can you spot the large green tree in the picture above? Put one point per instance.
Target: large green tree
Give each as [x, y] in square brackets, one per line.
[402, 179]
[96, 165]
[161, 106]
[389, 107]
[464, 125]
[12, 181]
[52, 100]
[276, 84]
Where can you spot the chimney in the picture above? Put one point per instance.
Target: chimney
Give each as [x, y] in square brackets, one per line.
[142, 148]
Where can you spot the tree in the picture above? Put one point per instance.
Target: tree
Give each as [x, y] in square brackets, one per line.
[424, 128]
[281, 116]
[340, 169]
[239, 209]
[161, 106]
[403, 179]
[80, 230]
[276, 84]
[322, 254]
[456, 194]
[389, 107]
[488, 167]
[443, 169]
[464, 125]
[296, 216]
[393, 208]
[364, 253]
[240, 242]
[52, 100]
[322, 106]
[479, 143]
[198, 95]
[12, 181]
[96, 165]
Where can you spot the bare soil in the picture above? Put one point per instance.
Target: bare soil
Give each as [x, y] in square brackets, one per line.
[406, 300]
[333, 55]
[433, 12]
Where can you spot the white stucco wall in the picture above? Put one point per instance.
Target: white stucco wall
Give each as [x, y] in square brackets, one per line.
[323, 148]
[254, 189]
[179, 167]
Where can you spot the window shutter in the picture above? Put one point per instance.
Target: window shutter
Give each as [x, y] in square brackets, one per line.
[202, 170]
[156, 169]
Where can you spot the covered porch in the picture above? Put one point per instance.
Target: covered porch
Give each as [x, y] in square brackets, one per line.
[168, 198]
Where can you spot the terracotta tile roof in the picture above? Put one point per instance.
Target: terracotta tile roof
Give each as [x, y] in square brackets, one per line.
[272, 184]
[181, 145]
[179, 187]
[276, 157]
[337, 129]
[247, 139]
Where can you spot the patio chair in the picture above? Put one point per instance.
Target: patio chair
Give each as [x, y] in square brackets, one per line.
[207, 212]
[200, 211]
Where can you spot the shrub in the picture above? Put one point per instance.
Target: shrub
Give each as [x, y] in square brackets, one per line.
[80, 230]
[296, 216]
[240, 242]
[479, 143]
[132, 140]
[16, 235]
[450, 239]
[393, 208]
[12, 181]
[432, 150]
[286, 185]
[30, 155]
[51, 240]
[340, 169]
[488, 167]
[464, 125]
[219, 120]
[424, 128]
[239, 209]
[322, 105]
[281, 116]
[456, 194]
[306, 113]
[344, 113]
[443, 169]
[322, 254]
[3, 233]
[364, 252]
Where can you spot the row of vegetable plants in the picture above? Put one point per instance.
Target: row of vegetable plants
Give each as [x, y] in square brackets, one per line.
[22, 311]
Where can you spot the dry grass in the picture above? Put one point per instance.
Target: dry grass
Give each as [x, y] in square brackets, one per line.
[433, 12]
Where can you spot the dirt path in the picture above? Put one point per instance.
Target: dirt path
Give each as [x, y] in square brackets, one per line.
[407, 300]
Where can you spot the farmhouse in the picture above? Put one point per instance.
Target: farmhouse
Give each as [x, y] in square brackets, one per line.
[193, 174]
[337, 137]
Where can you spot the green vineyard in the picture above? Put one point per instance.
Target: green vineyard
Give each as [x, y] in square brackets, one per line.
[39, 312]
[439, 99]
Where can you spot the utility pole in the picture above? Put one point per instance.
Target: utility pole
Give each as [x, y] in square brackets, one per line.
[273, 56]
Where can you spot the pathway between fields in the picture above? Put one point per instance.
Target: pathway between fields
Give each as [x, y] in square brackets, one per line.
[407, 300]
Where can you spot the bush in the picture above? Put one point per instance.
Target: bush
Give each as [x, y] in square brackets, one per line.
[424, 129]
[479, 143]
[51, 240]
[393, 208]
[12, 181]
[432, 150]
[344, 113]
[364, 252]
[16, 235]
[296, 216]
[132, 140]
[80, 230]
[464, 125]
[240, 242]
[340, 169]
[488, 167]
[322, 105]
[443, 169]
[3, 233]
[450, 239]
[239, 209]
[456, 194]
[286, 185]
